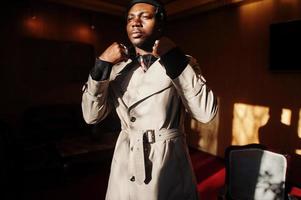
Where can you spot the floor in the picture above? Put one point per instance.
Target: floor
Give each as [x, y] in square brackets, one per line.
[85, 178]
[88, 181]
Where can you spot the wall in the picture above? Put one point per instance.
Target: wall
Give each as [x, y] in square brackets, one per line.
[46, 52]
[232, 47]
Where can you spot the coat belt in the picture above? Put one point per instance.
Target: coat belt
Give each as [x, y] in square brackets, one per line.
[139, 139]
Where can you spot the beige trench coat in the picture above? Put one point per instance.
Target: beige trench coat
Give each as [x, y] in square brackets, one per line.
[150, 161]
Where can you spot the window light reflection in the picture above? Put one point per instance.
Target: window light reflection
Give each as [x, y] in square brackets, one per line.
[286, 116]
[247, 119]
[203, 136]
[299, 124]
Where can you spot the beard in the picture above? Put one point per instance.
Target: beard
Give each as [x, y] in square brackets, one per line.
[146, 45]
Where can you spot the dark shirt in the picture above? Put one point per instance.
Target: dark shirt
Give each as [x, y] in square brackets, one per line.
[174, 62]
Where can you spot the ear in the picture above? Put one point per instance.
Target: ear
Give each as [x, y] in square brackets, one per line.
[160, 32]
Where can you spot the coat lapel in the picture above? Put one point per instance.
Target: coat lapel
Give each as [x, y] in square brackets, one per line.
[153, 81]
[134, 85]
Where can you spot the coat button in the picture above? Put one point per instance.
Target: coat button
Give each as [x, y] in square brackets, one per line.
[132, 178]
[133, 119]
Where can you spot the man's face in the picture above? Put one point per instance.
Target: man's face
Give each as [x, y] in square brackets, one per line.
[141, 25]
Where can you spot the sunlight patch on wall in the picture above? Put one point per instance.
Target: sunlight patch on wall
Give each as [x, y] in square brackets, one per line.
[203, 136]
[247, 119]
[286, 116]
[298, 151]
[299, 124]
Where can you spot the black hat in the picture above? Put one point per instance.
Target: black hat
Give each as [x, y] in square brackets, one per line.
[161, 10]
[152, 2]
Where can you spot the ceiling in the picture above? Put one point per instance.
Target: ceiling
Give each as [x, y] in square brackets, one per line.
[174, 8]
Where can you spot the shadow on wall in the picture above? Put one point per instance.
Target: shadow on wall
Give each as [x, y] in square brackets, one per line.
[203, 136]
[275, 134]
[272, 126]
[278, 128]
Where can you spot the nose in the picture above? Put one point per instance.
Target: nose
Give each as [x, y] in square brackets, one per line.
[136, 22]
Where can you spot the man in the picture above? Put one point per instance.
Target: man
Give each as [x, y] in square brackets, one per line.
[150, 93]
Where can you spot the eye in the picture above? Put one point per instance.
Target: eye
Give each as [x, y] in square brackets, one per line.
[130, 18]
[146, 16]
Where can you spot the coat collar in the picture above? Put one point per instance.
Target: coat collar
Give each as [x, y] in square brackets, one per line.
[134, 86]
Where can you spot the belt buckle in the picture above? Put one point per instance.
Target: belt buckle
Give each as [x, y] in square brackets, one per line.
[149, 136]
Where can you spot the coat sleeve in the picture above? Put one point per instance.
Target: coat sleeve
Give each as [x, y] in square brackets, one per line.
[197, 97]
[95, 101]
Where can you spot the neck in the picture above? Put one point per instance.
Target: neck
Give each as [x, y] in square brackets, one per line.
[146, 47]
[142, 51]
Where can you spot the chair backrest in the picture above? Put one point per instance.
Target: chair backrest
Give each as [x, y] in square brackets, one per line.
[255, 173]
